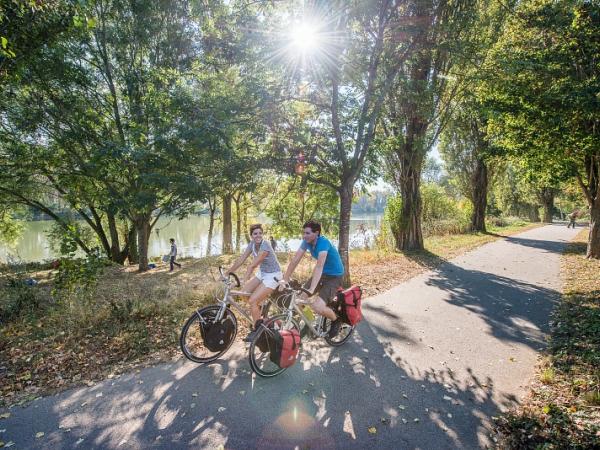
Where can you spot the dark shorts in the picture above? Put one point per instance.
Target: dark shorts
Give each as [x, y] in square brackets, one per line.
[327, 286]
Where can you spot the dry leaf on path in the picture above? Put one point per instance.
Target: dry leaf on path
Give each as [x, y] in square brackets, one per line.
[372, 430]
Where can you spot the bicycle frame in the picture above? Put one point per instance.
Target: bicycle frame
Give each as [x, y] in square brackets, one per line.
[228, 301]
[293, 306]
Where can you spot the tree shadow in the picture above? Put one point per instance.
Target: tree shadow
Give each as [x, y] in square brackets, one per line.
[514, 310]
[330, 399]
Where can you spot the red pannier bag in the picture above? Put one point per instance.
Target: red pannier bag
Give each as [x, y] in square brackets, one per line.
[286, 347]
[350, 300]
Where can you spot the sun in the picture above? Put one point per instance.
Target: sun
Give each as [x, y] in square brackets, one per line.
[304, 37]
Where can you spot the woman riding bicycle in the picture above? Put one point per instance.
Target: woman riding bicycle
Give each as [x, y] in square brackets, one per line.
[265, 281]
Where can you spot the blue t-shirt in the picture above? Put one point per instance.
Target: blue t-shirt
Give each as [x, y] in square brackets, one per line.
[333, 264]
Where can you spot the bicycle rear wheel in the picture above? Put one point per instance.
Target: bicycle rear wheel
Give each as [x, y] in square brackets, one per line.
[259, 354]
[193, 342]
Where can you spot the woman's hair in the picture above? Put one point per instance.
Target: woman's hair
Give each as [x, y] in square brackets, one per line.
[313, 225]
[256, 226]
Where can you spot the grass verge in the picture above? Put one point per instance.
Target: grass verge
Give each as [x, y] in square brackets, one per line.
[134, 319]
[562, 411]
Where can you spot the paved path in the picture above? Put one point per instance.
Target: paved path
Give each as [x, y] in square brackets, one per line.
[435, 358]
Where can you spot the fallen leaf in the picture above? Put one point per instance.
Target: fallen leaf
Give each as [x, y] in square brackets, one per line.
[449, 416]
[304, 391]
[221, 409]
[383, 420]
[402, 407]
[404, 421]
[372, 430]
[39, 434]
[446, 397]
[404, 395]
[9, 444]
[4, 415]
[99, 394]
[194, 395]
[416, 420]
[79, 441]
[242, 392]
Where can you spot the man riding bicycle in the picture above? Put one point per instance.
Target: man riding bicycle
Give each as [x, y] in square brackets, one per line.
[327, 275]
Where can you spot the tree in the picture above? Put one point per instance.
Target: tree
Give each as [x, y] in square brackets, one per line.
[293, 201]
[464, 147]
[544, 93]
[419, 104]
[119, 118]
[343, 87]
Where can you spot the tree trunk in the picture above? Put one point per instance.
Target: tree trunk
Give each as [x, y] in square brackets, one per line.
[533, 213]
[133, 254]
[344, 232]
[115, 245]
[143, 235]
[593, 247]
[546, 196]
[238, 223]
[212, 206]
[245, 224]
[227, 231]
[479, 182]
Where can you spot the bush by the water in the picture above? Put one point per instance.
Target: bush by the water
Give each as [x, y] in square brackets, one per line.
[441, 215]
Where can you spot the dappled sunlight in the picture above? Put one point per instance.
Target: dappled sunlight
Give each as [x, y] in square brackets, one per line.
[348, 426]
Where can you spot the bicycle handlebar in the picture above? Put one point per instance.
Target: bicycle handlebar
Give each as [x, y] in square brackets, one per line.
[299, 288]
[231, 274]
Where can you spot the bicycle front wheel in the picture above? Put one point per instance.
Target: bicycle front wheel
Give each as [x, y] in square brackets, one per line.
[262, 345]
[203, 339]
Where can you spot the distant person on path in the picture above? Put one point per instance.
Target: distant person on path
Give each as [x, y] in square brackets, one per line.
[273, 243]
[265, 281]
[572, 218]
[327, 275]
[173, 255]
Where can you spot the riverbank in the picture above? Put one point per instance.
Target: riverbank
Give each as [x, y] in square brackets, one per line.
[132, 320]
[563, 408]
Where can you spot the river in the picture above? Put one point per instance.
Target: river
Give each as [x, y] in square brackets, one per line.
[191, 235]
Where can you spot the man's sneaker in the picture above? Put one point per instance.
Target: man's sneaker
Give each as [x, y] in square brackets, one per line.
[335, 328]
[253, 333]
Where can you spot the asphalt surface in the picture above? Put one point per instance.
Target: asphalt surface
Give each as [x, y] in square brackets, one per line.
[435, 358]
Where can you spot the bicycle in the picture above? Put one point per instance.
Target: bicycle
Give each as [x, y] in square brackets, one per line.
[262, 345]
[210, 331]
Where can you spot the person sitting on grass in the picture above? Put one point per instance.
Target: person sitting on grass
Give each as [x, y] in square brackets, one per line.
[327, 275]
[266, 280]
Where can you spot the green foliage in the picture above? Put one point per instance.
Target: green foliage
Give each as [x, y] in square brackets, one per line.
[441, 214]
[19, 295]
[10, 229]
[292, 202]
[63, 239]
[77, 278]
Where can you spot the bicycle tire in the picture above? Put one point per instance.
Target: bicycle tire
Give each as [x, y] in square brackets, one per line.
[259, 360]
[207, 312]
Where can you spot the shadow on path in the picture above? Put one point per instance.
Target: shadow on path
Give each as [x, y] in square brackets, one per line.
[328, 400]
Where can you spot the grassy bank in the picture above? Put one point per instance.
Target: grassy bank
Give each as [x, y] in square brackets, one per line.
[562, 410]
[130, 319]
